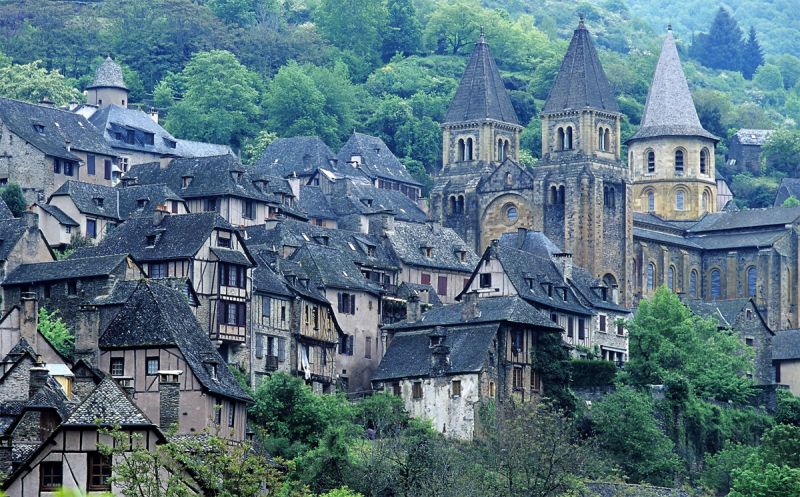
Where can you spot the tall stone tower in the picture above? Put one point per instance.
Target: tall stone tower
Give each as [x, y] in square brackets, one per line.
[480, 131]
[672, 156]
[582, 186]
[108, 86]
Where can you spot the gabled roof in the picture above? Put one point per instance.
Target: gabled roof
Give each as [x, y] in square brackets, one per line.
[789, 187]
[91, 199]
[113, 120]
[206, 176]
[300, 155]
[123, 289]
[777, 217]
[408, 239]
[108, 75]
[669, 110]
[382, 200]
[176, 237]
[266, 280]
[786, 345]
[532, 241]
[11, 230]
[58, 214]
[59, 131]
[189, 148]
[581, 81]
[331, 268]
[158, 316]
[753, 136]
[314, 203]
[377, 161]
[89, 267]
[131, 199]
[481, 94]
[725, 311]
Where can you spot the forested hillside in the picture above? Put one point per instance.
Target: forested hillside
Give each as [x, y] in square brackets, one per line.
[243, 71]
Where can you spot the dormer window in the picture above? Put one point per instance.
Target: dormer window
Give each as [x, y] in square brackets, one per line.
[186, 181]
[151, 240]
[370, 250]
[548, 287]
[223, 241]
[98, 201]
[435, 341]
[141, 203]
[355, 160]
[39, 128]
[367, 202]
[486, 280]
[427, 251]
[461, 255]
[321, 239]
[170, 143]
[149, 139]
[236, 175]
[212, 370]
[564, 294]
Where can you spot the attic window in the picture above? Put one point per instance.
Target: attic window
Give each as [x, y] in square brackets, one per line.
[427, 251]
[39, 128]
[223, 241]
[367, 202]
[141, 203]
[370, 250]
[170, 143]
[149, 138]
[486, 280]
[98, 201]
[436, 341]
[462, 255]
[212, 369]
[236, 175]
[548, 287]
[151, 240]
[321, 239]
[564, 294]
[186, 181]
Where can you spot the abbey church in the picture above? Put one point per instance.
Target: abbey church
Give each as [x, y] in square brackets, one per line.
[636, 221]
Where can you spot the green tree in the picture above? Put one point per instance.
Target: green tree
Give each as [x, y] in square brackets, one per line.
[718, 471]
[240, 12]
[403, 33]
[56, 332]
[670, 345]
[792, 201]
[722, 47]
[453, 26]
[220, 100]
[760, 479]
[14, 198]
[32, 83]
[627, 429]
[354, 25]
[768, 77]
[254, 147]
[781, 152]
[752, 55]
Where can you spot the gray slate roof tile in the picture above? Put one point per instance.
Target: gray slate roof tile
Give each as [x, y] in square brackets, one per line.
[89, 267]
[108, 75]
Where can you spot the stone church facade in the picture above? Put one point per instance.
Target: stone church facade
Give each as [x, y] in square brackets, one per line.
[636, 222]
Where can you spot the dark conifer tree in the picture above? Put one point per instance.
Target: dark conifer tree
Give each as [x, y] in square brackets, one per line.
[722, 47]
[403, 32]
[752, 55]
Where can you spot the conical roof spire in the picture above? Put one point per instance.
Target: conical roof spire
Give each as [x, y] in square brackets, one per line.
[581, 82]
[670, 110]
[109, 75]
[481, 94]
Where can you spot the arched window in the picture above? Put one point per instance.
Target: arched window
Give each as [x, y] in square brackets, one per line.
[452, 205]
[469, 149]
[716, 291]
[509, 179]
[671, 278]
[605, 196]
[607, 139]
[553, 195]
[752, 278]
[651, 276]
[560, 142]
[569, 138]
[561, 195]
[706, 200]
[704, 161]
[506, 149]
[679, 161]
[500, 150]
[693, 283]
[679, 200]
[651, 201]
[651, 161]
[601, 139]
[461, 150]
[460, 204]
[613, 197]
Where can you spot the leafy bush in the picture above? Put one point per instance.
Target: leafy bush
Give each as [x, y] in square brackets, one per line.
[56, 332]
[586, 373]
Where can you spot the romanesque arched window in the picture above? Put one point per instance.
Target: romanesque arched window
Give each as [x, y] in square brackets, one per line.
[462, 150]
[651, 276]
[704, 161]
[607, 139]
[651, 201]
[469, 149]
[560, 139]
[554, 194]
[561, 195]
[679, 200]
[601, 139]
[651, 161]
[679, 161]
[506, 149]
[716, 289]
[752, 279]
[500, 150]
[706, 200]
[635, 270]
[693, 283]
[671, 278]
[568, 138]
[452, 204]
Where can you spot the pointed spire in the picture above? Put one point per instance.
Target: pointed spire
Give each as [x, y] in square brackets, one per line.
[481, 94]
[581, 82]
[670, 110]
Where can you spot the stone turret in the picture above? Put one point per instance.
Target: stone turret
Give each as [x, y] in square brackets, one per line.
[108, 87]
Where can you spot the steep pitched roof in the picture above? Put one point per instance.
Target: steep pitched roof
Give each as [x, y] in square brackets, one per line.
[377, 161]
[142, 199]
[725, 311]
[158, 316]
[107, 404]
[581, 81]
[314, 203]
[108, 75]
[669, 110]
[786, 345]
[481, 94]
[89, 267]
[189, 148]
[11, 230]
[300, 155]
[58, 214]
[53, 131]
[408, 239]
[332, 268]
[95, 200]
[115, 122]
[789, 187]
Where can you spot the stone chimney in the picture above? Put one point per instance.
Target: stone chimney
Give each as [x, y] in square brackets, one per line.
[38, 378]
[29, 318]
[169, 392]
[413, 308]
[564, 263]
[294, 184]
[31, 219]
[87, 335]
[159, 213]
[434, 226]
[153, 113]
[469, 306]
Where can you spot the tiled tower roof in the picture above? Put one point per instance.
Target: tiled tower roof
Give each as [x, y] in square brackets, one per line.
[109, 75]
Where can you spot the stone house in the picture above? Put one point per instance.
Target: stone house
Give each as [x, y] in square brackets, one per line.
[23, 243]
[744, 150]
[220, 184]
[71, 456]
[68, 284]
[205, 249]
[743, 317]
[530, 266]
[41, 147]
[94, 210]
[454, 359]
[296, 156]
[786, 359]
[156, 346]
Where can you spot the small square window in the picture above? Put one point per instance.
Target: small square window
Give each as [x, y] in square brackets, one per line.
[486, 280]
[51, 475]
[224, 242]
[416, 390]
[99, 472]
[396, 390]
[456, 388]
[152, 366]
[117, 366]
[72, 287]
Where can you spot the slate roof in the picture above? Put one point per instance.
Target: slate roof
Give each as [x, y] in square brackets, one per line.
[377, 161]
[266, 280]
[751, 218]
[732, 240]
[158, 316]
[314, 203]
[753, 136]
[58, 214]
[210, 176]
[786, 345]
[89, 267]
[789, 187]
[152, 196]
[407, 240]
[670, 110]
[107, 404]
[108, 75]
[509, 309]
[60, 129]
[405, 290]
[581, 81]
[409, 353]
[331, 268]
[11, 230]
[113, 119]
[481, 94]
[91, 199]
[51, 396]
[534, 242]
[177, 237]
[189, 148]
[725, 311]
[123, 289]
[5, 212]
[394, 201]
[301, 155]
[662, 237]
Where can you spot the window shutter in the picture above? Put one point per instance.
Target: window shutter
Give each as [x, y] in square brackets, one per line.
[281, 349]
[352, 304]
[350, 345]
[241, 319]
[220, 312]
[259, 346]
[339, 301]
